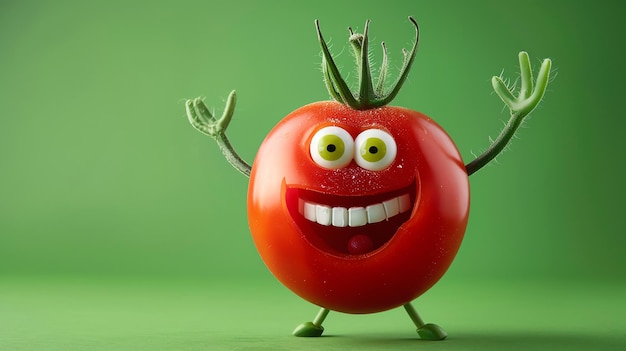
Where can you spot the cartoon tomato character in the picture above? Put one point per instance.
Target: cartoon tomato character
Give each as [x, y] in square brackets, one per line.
[356, 206]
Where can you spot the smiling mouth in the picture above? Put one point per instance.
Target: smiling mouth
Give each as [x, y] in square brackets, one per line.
[350, 225]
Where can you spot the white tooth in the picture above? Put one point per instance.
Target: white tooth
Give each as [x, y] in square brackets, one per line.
[322, 214]
[357, 216]
[405, 203]
[301, 206]
[375, 213]
[392, 207]
[309, 211]
[340, 216]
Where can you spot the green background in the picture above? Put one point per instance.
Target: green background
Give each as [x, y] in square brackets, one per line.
[123, 228]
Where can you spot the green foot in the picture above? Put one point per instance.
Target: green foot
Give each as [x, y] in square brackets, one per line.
[308, 329]
[431, 332]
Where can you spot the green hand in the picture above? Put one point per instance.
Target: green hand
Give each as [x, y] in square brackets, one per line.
[528, 98]
[203, 120]
[520, 106]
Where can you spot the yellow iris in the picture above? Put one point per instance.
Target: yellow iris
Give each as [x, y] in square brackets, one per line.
[373, 149]
[331, 147]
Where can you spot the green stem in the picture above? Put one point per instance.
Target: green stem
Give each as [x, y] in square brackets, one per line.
[329, 83]
[382, 74]
[415, 317]
[498, 145]
[406, 66]
[321, 316]
[336, 82]
[367, 97]
[232, 156]
[366, 89]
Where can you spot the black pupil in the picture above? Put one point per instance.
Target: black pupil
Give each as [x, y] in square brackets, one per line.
[373, 149]
[331, 148]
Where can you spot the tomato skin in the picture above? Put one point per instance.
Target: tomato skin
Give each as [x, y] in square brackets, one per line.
[407, 265]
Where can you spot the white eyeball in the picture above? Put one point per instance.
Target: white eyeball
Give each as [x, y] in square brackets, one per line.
[332, 147]
[375, 149]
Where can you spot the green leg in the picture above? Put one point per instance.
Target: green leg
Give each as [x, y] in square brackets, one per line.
[310, 329]
[425, 331]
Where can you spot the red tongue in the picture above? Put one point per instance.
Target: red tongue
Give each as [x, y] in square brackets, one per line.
[360, 244]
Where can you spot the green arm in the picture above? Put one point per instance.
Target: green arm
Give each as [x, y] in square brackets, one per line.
[520, 107]
[201, 118]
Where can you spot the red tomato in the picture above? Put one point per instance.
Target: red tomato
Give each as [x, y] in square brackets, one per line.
[358, 211]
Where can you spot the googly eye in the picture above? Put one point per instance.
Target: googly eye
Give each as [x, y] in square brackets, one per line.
[375, 149]
[332, 147]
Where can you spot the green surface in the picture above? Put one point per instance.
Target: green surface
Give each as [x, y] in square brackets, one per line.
[121, 227]
[187, 315]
